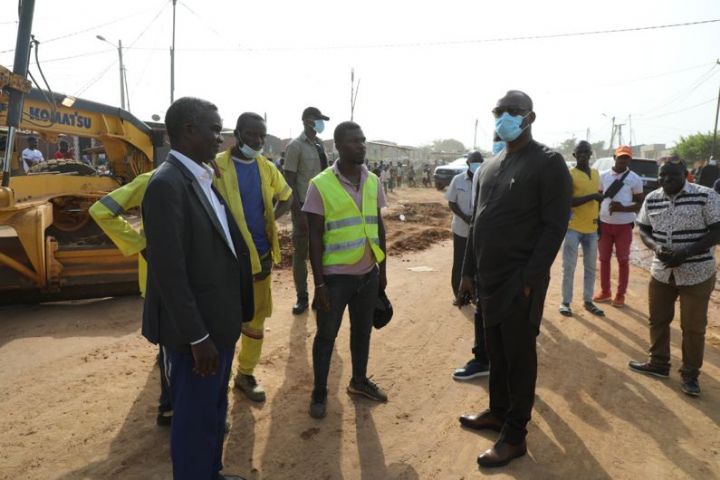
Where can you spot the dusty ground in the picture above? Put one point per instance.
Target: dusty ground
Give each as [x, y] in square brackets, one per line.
[78, 391]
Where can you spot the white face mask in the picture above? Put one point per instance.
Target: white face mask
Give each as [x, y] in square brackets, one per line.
[249, 152]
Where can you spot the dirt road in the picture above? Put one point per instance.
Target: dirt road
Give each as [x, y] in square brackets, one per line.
[78, 391]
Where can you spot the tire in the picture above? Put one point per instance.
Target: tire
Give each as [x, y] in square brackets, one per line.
[64, 166]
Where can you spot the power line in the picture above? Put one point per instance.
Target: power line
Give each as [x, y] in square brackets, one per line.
[79, 55]
[78, 32]
[685, 93]
[710, 100]
[207, 24]
[149, 25]
[94, 80]
[452, 42]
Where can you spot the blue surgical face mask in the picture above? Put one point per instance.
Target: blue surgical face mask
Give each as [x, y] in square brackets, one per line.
[319, 125]
[498, 147]
[474, 166]
[249, 152]
[508, 127]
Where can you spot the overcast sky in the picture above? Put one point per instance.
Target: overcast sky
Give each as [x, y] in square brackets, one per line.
[426, 69]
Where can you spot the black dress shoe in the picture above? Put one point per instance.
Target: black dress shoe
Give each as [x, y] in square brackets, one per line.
[164, 419]
[300, 306]
[482, 421]
[649, 369]
[501, 454]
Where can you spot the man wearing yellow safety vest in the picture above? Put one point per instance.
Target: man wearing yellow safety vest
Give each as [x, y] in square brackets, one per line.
[249, 183]
[347, 243]
[108, 214]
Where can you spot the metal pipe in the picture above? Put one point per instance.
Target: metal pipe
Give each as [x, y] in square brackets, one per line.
[20, 67]
[172, 58]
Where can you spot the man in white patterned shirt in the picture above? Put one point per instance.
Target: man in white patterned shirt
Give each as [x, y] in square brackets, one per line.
[680, 222]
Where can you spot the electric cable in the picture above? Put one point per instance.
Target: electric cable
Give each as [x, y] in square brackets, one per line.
[452, 42]
[72, 34]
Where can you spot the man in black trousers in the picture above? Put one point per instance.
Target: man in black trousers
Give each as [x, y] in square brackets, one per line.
[520, 222]
[199, 288]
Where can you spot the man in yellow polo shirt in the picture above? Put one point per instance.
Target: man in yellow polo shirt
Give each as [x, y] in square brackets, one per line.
[582, 230]
[249, 183]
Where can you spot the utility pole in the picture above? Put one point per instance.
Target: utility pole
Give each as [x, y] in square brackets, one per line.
[16, 95]
[630, 137]
[620, 137]
[123, 79]
[612, 135]
[122, 76]
[717, 111]
[172, 58]
[587, 134]
[353, 93]
[475, 136]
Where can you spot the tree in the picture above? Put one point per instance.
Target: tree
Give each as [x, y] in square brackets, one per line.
[598, 149]
[447, 145]
[694, 147]
[566, 147]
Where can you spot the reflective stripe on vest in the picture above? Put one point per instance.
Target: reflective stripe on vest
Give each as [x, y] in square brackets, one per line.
[348, 231]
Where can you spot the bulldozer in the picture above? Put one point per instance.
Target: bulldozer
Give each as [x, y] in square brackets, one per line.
[50, 248]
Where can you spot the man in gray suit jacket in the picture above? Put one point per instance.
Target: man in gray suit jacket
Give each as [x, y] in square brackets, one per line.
[199, 288]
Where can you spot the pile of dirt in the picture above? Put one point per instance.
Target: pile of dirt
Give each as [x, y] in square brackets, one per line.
[430, 213]
[418, 240]
[422, 224]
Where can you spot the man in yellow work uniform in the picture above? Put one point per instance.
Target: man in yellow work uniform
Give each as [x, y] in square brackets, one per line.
[108, 214]
[347, 254]
[249, 183]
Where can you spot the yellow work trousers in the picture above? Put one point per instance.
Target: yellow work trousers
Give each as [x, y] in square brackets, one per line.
[253, 332]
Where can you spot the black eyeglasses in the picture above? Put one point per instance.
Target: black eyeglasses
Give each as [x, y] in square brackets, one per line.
[513, 111]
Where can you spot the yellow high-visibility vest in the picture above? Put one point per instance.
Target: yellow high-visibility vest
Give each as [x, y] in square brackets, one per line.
[107, 213]
[347, 229]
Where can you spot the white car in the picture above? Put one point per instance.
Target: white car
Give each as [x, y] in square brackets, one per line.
[444, 174]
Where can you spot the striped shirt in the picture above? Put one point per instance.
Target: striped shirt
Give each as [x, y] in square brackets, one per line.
[678, 222]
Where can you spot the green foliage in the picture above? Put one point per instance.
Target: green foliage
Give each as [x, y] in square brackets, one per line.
[695, 147]
[447, 145]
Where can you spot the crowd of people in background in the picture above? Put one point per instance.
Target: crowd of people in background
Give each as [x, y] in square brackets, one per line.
[394, 175]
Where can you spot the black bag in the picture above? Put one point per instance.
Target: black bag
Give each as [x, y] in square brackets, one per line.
[321, 154]
[383, 311]
[615, 187]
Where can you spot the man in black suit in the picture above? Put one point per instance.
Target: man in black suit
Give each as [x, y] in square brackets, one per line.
[199, 288]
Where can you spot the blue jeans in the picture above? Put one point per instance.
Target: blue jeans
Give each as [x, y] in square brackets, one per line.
[589, 243]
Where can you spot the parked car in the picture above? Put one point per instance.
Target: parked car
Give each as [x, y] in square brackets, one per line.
[646, 168]
[445, 173]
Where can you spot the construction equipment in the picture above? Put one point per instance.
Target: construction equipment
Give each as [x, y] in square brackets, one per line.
[50, 248]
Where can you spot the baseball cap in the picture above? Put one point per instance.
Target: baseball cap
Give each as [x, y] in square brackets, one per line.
[314, 113]
[623, 150]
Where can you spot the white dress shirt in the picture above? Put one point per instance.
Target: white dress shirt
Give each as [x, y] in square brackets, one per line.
[204, 176]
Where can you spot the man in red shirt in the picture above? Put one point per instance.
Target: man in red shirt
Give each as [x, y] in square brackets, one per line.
[64, 151]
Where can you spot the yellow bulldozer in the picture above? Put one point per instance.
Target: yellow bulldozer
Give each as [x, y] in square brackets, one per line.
[50, 248]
